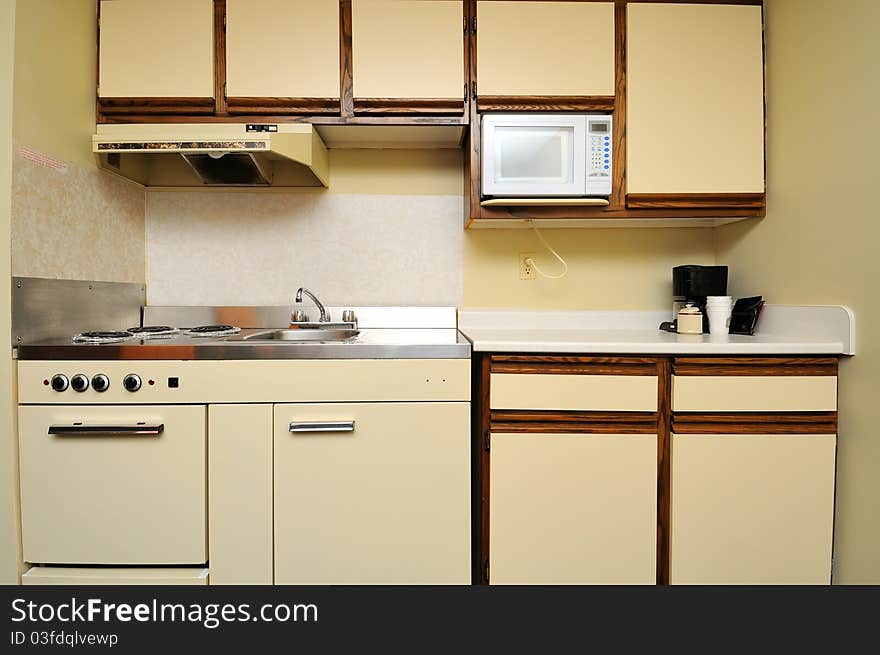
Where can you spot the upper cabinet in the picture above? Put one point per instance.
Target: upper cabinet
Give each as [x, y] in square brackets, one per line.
[282, 56]
[545, 49]
[156, 49]
[407, 50]
[695, 101]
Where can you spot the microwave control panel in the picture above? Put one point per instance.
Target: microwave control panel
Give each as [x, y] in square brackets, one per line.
[599, 158]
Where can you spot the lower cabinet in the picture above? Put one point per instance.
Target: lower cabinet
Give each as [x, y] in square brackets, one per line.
[573, 508]
[240, 493]
[752, 508]
[372, 493]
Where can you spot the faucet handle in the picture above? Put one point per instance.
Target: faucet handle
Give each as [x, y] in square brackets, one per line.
[348, 316]
[299, 316]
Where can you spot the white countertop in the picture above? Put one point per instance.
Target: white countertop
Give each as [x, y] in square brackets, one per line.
[782, 330]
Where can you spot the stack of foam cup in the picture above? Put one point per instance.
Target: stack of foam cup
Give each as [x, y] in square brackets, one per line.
[718, 309]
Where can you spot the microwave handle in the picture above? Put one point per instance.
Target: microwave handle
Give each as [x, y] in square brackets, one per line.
[83, 430]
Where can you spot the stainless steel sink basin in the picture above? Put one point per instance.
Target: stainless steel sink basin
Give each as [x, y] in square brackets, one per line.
[334, 334]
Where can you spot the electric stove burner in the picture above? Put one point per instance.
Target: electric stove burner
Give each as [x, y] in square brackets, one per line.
[213, 330]
[153, 331]
[103, 337]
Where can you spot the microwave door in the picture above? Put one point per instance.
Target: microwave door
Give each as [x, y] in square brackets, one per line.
[536, 156]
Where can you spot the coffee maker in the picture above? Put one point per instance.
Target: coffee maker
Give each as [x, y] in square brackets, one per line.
[692, 284]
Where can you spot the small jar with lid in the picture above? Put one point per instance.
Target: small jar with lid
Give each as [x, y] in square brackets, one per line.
[689, 320]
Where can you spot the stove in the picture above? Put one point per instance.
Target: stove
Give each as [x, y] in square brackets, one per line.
[154, 331]
[103, 337]
[213, 331]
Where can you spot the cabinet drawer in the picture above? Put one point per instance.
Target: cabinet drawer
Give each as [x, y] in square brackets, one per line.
[782, 393]
[636, 393]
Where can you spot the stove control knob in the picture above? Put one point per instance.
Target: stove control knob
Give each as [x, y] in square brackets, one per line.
[100, 383]
[59, 382]
[131, 382]
[79, 382]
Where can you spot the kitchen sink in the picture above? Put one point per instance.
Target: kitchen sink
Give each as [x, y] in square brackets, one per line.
[329, 334]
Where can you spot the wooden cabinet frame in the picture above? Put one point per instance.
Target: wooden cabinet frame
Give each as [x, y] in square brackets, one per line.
[621, 205]
[664, 422]
[344, 110]
[466, 111]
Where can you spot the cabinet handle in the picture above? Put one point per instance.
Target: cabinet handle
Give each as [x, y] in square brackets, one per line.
[80, 430]
[321, 426]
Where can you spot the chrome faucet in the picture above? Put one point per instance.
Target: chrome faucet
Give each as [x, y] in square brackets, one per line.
[324, 318]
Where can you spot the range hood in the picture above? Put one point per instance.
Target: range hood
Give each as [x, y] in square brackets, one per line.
[214, 155]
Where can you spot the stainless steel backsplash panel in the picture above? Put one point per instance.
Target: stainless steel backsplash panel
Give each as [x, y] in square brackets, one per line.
[44, 308]
[277, 317]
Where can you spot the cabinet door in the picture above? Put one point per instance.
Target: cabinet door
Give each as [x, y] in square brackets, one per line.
[408, 49]
[752, 509]
[372, 493]
[240, 494]
[695, 99]
[545, 48]
[156, 48]
[573, 509]
[282, 48]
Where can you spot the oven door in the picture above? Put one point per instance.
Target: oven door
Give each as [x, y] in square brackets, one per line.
[113, 484]
[534, 155]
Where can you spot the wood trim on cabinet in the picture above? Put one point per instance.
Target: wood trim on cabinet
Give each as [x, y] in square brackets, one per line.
[573, 365]
[618, 117]
[545, 103]
[220, 57]
[316, 119]
[472, 167]
[480, 468]
[409, 106]
[664, 468]
[346, 61]
[153, 106]
[280, 106]
[755, 423]
[539, 421]
[695, 200]
[755, 366]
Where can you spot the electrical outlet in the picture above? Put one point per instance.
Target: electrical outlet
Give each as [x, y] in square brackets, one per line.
[526, 269]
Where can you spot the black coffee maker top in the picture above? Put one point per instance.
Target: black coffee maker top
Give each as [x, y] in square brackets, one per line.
[699, 281]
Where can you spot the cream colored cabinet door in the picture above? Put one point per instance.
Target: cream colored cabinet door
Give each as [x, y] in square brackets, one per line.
[695, 98]
[573, 509]
[408, 49]
[752, 509]
[282, 48]
[240, 494]
[156, 48]
[372, 493]
[545, 48]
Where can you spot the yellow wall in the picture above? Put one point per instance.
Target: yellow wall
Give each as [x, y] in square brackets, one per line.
[9, 541]
[819, 241]
[54, 102]
[608, 269]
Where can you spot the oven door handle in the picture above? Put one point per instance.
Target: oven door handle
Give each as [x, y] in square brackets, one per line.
[299, 427]
[84, 430]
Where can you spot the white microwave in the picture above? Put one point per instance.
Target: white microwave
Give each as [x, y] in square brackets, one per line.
[547, 155]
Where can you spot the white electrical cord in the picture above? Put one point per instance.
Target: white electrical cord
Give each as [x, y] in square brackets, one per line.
[532, 262]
